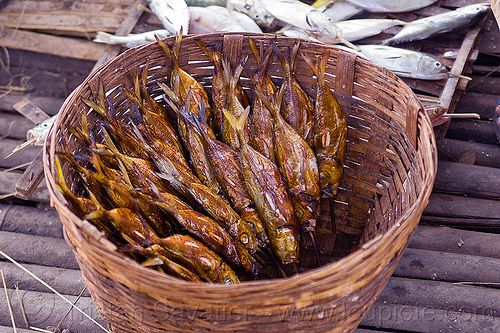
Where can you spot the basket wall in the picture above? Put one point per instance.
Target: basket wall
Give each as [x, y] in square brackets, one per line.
[389, 172]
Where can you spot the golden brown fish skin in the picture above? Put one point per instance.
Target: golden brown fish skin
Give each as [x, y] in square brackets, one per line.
[155, 123]
[225, 162]
[186, 183]
[329, 133]
[262, 119]
[297, 107]
[181, 82]
[80, 205]
[234, 107]
[140, 171]
[127, 222]
[220, 84]
[169, 266]
[208, 232]
[298, 165]
[269, 192]
[196, 256]
[120, 195]
[193, 141]
[112, 125]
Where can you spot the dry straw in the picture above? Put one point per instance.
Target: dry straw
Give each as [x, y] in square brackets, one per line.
[389, 172]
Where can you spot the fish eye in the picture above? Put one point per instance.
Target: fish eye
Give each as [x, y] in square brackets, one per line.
[257, 16]
[247, 7]
[437, 64]
[244, 238]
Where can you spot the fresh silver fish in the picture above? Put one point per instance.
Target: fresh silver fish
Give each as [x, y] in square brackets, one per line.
[353, 30]
[39, 133]
[206, 3]
[340, 10]
[255, 9]
[207, 20]
[173, 14]
[405, 63]
[302, 15]
[440, 23]
[246, 21]
[391, 6]
[131, 40]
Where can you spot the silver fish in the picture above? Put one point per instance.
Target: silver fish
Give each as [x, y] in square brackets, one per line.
[340, 10]
[131, 40]
[206, 20]
[255, 9]
[391, 6]
[302, 15]
[405, 63]
[206, 3]
[39, 133]
[246, 21]
[440, 23]
[353, 30]
[173, 14]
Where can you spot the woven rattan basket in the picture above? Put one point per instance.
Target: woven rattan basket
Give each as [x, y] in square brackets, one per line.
[389, 172]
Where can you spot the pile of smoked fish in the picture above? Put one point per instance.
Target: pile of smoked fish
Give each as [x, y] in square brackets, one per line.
[215, 188]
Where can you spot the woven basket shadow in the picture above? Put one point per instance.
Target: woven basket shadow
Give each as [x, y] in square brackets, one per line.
[389, 173]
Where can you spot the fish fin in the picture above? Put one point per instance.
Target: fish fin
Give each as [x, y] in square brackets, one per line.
[96, 214]
[322, 64]
[265, 62]
[237, 124]
[207, 50]
[256, 51]
[310, 62]
[293, 55]
[95, 107]
[165, 47]
[103, 37]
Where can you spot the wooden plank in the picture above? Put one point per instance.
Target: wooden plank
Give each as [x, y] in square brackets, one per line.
[38, 250]
[442, 295]
[427, 320]
[28, 109]
[74, 21]
[458, 241]
[484, 154]
[116, 7]
[56, 45]
[45, 309]
[125, 28]
[8, 181]
[65, 281]
[28, 183]
[471, 180]
[48, 104]
[458, 66]
[30, 220]
[450, 267]
[31, 178]
[450, 205]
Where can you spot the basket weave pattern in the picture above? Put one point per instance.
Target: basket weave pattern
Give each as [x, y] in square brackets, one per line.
[388, 176]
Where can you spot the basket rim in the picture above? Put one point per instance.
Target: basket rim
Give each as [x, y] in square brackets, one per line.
[372, 245]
